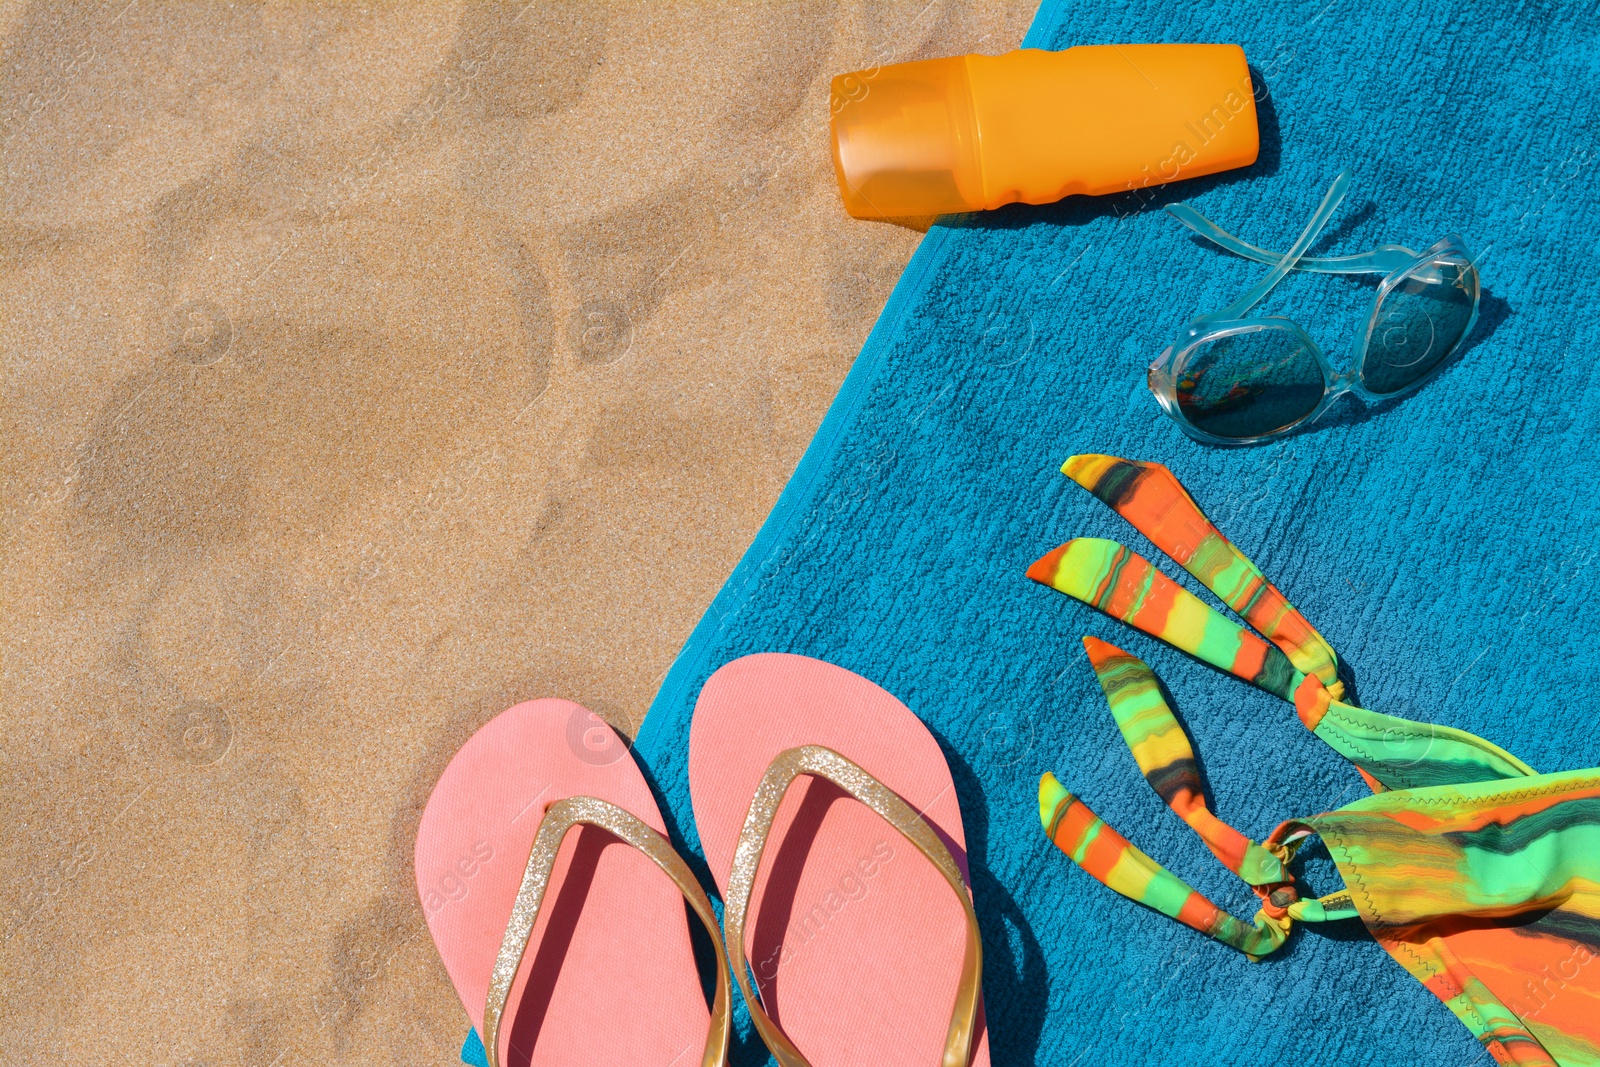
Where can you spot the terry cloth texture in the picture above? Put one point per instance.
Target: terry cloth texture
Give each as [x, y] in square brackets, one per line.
[1444, 543]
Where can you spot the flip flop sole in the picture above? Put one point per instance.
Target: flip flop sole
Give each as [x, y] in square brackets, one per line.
[609, 977]
[854, 939]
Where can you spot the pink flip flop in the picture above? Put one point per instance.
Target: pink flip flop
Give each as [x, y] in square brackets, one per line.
[579, 942]
[847, 890]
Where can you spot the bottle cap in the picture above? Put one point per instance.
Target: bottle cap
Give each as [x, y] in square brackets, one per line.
[905, 140]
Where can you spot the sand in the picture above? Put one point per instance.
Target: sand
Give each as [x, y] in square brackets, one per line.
[367, 370]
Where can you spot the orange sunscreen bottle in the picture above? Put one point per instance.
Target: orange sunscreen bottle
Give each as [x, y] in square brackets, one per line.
[975, 132]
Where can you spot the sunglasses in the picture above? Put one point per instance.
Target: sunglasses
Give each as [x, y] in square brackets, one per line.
[1228, 379]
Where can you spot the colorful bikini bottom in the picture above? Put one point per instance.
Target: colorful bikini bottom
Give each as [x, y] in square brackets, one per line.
[1478, 875]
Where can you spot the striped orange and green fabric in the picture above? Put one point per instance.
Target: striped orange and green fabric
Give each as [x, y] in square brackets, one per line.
[1149, 497]
[1126, 586]
[1167, 761]
[1489, 894]
[1480, 876]
[1390, 752]
[1108, 856]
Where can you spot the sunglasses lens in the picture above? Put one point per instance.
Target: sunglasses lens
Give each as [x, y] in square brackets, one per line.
[1249, 384]
[1419, 322]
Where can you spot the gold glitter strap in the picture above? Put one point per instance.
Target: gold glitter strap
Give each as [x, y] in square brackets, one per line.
[560, 817]
[823, 762]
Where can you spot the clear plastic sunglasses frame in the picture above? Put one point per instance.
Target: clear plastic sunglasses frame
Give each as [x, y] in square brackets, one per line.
[1398, 263]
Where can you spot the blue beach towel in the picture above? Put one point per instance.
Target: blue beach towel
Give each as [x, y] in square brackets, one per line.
[1445, 544]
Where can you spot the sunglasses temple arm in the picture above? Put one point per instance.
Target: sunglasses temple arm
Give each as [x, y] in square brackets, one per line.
[1382, 260]
[1330, 203]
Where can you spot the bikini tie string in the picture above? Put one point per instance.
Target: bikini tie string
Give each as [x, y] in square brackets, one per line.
[1277, 898]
